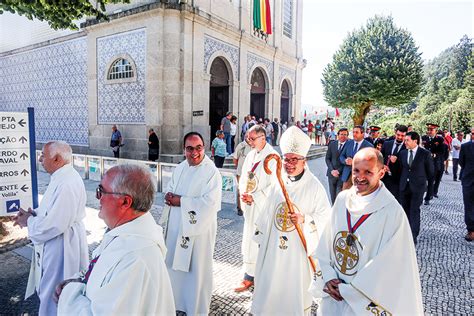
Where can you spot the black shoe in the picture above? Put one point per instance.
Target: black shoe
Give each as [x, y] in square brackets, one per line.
[446, 172]
[427, 202]
[239, 212]
[436, 195]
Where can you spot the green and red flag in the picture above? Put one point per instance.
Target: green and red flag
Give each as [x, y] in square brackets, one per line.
[262, 20]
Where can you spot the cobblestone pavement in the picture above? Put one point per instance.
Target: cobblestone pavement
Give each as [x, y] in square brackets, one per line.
[445, 258]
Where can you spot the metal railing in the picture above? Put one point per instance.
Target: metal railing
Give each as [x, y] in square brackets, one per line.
[92, 167]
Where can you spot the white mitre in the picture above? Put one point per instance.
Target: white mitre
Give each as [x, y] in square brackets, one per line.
[295, 141]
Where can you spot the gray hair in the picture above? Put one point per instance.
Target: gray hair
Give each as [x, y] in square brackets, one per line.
[258, 130]
[60, 148]
[135, 181]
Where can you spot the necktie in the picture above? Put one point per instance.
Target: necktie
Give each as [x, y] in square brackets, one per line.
[355, 147]
[340, 147]
[397, 146]
[410, 158]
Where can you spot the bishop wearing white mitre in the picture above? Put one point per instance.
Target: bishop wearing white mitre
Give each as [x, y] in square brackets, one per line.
[283, 274]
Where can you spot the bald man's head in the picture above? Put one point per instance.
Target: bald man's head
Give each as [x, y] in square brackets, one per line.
[367, 170]
[369, 154]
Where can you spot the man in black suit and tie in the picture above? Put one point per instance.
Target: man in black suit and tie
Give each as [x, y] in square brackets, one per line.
[349, 151]
[466, 161]
[334, 165]
[417, 168]
[393, 166]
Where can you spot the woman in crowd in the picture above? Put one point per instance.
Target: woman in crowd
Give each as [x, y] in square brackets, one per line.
[218, 149]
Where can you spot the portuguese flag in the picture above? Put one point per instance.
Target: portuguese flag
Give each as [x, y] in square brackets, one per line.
[262, 20]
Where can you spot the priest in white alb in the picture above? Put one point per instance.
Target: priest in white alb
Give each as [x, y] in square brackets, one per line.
[127, 275]
[254, 187]
[283, 273]
[366, 254]
[56, 227]
[192, 201]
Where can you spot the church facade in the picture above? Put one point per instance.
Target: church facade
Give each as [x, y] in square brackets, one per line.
[174, 66]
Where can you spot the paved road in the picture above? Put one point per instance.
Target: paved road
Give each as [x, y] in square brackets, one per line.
[445, 258]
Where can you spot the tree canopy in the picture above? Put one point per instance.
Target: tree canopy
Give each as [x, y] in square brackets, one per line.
[376, 64]
[59, 14]
[447, 95]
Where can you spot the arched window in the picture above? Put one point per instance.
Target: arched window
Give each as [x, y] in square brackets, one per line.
[121, 68]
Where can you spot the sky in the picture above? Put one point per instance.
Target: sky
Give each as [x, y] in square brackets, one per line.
[435, 25]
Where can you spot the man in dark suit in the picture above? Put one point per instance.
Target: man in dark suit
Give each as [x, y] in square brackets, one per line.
[466, 161]
[334, 165]
[276, 131]
[417, 168]
[349, 150]
[393, 166]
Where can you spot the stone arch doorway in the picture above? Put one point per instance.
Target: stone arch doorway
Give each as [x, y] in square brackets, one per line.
[285, 102]
[257, 94]
[218, 94]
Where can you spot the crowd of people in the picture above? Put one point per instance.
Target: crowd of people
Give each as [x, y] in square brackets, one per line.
[296, 248]
[414, 165]
[319, 132]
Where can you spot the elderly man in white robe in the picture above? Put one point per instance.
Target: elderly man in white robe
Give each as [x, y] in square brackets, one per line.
[366, 254]
[127, 275]
[283, 274]
[56, 227]
[254, 187]
[192, 201]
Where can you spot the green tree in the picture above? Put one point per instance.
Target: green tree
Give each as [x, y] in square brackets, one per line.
[59, 14]
[376, 64]
[448, 94]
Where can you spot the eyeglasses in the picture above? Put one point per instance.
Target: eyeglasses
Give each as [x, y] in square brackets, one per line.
[99, 191]
[255, 138]
[190, 149]
[293, 161]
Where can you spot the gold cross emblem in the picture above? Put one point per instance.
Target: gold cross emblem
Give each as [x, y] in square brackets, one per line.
[346, 256]
[282, 217]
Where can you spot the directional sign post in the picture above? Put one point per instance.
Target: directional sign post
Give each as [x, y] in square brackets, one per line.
[18, 181]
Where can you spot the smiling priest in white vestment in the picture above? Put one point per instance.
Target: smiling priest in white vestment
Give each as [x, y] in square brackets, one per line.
[366, 254]
[192, 202]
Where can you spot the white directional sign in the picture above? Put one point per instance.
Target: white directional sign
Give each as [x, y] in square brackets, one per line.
[18, 182]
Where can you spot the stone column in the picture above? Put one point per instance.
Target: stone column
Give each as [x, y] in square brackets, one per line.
[172, 81]
[269, 101]
[234, 106]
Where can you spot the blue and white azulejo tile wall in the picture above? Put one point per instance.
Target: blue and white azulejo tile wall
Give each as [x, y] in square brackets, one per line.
[53, 80]
[122, 103]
